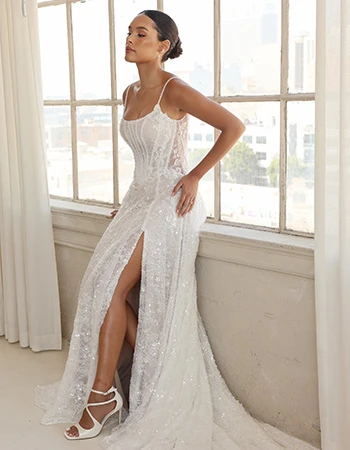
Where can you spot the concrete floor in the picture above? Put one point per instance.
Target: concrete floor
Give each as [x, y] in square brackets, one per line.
[20, 429]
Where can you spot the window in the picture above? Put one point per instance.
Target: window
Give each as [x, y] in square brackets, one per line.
[261, 156]
[261, 139]
[247, 139]
[309, 139]
[238, 65]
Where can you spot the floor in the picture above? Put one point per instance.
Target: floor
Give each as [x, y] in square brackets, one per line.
[20, 429]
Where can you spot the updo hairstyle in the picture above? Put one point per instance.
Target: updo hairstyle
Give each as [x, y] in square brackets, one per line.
[167, 29]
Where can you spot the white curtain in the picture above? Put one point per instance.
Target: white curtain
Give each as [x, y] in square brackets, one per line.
[332, 234]
[29, 302]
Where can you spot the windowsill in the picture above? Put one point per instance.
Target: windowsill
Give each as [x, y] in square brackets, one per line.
[261, 249]
[81, 208]
[257, 236]
[216, 231]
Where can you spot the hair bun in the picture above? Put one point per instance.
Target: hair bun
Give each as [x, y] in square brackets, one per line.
[176, 51]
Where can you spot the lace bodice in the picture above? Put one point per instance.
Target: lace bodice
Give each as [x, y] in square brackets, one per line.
[158, 142]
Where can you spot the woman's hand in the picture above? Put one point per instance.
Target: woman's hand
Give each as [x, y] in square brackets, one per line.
[189, 187]
[113, 213]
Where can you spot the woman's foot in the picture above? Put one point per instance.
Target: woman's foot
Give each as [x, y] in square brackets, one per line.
[99, 412]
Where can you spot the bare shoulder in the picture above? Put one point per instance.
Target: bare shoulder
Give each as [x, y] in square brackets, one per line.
[185, 98]
[176, 83]
[178, 88]
[179, 93]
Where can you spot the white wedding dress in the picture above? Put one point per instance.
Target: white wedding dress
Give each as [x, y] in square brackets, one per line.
[177, 397]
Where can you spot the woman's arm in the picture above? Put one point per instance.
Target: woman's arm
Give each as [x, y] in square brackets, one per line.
[187, 99]
[184, 98]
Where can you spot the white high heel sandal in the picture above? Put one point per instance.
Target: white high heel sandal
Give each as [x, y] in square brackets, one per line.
[96, 429]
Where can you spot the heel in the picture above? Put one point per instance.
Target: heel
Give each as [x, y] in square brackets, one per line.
[97, 426]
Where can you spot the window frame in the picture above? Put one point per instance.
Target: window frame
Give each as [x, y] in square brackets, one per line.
[282, 98]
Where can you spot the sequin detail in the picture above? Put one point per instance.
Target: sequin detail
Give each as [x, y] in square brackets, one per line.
[178, 398]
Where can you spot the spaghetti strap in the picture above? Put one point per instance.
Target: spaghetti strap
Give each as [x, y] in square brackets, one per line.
[161, 94]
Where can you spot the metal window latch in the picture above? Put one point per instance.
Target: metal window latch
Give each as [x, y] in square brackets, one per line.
[24, 8]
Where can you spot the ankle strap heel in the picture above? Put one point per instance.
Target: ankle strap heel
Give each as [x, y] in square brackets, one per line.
[110, 390]
[97, 426]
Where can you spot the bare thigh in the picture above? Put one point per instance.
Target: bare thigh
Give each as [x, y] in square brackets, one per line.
[130, 275]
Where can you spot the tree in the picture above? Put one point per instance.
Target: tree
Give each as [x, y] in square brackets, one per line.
[241, 163]
[273, 171]
[295, 169]
[196, 156]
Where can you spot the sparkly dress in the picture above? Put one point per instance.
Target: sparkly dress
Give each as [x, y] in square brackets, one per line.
[176, 397]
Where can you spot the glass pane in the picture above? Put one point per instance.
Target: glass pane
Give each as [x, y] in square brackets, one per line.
[58, 150]
[54, 52]
[250, 47]
[125, 161]
[196, 64]
[125, 12]
[91, 49]
[200, 141]
[302, 51]
[95, 156]
[249, 173]
[300, 166]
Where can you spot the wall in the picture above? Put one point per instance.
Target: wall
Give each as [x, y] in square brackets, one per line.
[256, 298]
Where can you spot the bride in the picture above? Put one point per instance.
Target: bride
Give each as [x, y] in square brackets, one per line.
[175, 396]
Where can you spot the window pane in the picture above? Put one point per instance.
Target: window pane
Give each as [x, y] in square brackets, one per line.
[302, 37]
[95, 160]
[54, 52]
[58, 150]
[300, 167]
[91, 49]
[125, 161]
[251, 46]
[249, 172]
[200, 141]
[195, 65]
[125, 12]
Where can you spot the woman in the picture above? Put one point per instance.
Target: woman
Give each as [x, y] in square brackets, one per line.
[177, 397]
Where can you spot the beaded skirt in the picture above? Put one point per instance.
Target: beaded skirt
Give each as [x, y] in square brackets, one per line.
[176, 396]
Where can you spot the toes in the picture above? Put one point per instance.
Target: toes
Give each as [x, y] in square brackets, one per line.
[72, 432]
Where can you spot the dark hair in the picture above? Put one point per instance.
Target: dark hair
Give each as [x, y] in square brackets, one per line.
[167, 29]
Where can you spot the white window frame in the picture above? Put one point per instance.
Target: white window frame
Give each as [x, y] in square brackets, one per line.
[283, 98]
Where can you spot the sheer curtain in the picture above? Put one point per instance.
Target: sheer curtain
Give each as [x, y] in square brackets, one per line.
[29, 302]
[332, 234]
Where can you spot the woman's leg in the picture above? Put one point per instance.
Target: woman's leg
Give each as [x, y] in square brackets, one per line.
[111, 338]
[131, 326]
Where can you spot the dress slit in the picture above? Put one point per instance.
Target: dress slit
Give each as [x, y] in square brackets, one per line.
[124, 365]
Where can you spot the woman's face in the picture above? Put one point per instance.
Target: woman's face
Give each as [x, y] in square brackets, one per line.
[142, 44]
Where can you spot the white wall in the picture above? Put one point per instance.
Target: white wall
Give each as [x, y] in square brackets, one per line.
[256, 298]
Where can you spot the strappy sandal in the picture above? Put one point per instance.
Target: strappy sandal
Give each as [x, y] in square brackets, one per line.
[96, 429]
